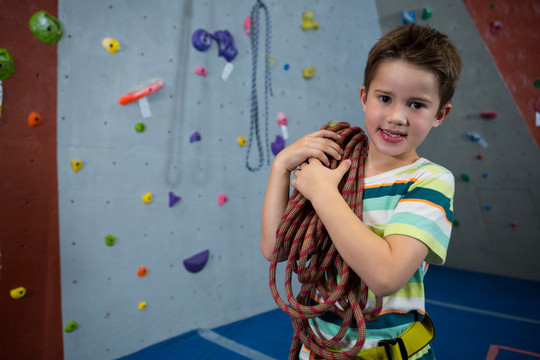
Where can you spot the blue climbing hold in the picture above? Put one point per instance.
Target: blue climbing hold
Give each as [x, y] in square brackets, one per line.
[197, 262]
[195, 137]
[201, 39]
[408, 17]
[278, 145]
[173, 199]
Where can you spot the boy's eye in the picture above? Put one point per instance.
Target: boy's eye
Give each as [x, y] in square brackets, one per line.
[416, 105]
[384, 98]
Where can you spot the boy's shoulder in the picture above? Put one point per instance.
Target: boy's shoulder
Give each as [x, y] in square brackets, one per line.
[424, 167]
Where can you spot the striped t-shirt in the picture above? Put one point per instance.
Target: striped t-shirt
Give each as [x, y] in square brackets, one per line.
[414, 200]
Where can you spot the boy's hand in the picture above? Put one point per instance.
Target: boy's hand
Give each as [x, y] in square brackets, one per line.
[319, 145]
[313, 178]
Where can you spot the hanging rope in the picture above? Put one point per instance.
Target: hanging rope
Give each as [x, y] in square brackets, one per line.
[254, 117]
[314, 258]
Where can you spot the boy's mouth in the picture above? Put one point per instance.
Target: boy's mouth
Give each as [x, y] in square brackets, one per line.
[391, 136]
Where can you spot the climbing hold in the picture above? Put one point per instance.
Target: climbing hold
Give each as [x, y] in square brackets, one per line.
[426, 13]
[201, 39]
[109, 240]
[408, 17]
[307, 21]
[142, 92]
[537, 105]
[72, 325]
[272, 61]
[477, 138]
[173, 199]
[492, 6]
[46, 27]
[495, 27]
[456, 223]
[142, 305]
[283, 122]
[485, 175]
[222, 199]
[489, 207]
[35, 119]
[147, 198]
[309, 72]
[226, 47]
[201, 71]
[513, 224]
[332, 123]
[111, 45]
[465, 177]
[7, 64]
[278, 145]
[286, 67]
[537, 83]
[479, 156]
[488, 114]
[195, 137]
[196, 263]
[18, 293]
[143, 271]
[77, 165]
[241, 141]
[247, 25]
[140, 127]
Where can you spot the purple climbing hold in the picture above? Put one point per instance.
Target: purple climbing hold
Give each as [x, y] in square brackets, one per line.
[195, 263]
[173, 199]
[201, 39]
[195, 137]
[278, 145]
[227, 49]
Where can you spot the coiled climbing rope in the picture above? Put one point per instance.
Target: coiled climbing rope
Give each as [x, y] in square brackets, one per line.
[313, 257]
[254, 116]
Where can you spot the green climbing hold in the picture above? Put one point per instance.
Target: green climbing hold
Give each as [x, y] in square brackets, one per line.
[465, 177]
[456, 223]
[72, 325]
[109, 240]
[46, 27]
[537, 84]
[7, 65]
[426, 13]
[140, 127]
[492, 6]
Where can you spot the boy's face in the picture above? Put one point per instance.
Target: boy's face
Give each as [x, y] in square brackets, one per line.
[401, 108]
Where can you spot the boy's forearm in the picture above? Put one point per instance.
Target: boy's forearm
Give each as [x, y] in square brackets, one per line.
[275, 202]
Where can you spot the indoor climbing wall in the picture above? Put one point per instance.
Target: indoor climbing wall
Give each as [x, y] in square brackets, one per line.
[485, 141]
[159, 215]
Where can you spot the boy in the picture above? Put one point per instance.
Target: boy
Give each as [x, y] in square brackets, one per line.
[409, 80]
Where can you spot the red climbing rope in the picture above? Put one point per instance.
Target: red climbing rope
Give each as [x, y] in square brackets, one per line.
[314, 258]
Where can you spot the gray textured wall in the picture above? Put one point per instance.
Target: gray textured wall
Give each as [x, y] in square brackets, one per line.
[484, 240]
[100, 286]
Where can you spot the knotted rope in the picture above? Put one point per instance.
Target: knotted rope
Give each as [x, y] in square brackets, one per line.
[254, 122]
[314, 258]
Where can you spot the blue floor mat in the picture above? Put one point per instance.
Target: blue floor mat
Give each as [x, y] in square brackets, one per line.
[471, 312]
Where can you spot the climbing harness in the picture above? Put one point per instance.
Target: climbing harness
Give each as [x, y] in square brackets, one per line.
[313, 257]
[254, 117]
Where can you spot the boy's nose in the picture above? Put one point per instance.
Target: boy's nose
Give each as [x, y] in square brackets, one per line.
[397, 115]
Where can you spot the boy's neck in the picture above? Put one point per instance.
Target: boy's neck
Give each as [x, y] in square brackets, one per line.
[377, 163]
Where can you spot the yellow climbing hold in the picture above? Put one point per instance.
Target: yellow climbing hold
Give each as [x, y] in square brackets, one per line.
[142, 305]
[111, 45]
[309, 72]
[147, 198]
[242, 141]
[77, 165]
[18, 293]
[332, 123]
[307, 21]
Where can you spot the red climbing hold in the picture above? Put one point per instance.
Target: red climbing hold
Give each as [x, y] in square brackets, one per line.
[496, 27]
[488, 114]
[196, 263]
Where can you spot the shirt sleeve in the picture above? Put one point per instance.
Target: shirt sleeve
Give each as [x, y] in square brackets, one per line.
[425, 212]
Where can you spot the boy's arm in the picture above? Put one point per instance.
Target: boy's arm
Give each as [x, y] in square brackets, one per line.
[385, 264]
[320, 145]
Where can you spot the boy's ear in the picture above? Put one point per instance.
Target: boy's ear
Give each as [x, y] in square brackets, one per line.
[445, 110]
[363, 97]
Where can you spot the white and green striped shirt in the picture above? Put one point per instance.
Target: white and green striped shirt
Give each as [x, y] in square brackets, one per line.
[415, 200]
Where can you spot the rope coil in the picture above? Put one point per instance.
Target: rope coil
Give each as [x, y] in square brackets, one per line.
[254, 117]
[314, 258]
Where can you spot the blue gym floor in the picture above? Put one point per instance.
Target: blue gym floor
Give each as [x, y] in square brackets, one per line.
[476, 316]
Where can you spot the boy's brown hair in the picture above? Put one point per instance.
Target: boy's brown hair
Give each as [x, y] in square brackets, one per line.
[421, 46]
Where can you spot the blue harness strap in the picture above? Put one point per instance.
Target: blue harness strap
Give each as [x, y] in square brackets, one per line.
[254, 116]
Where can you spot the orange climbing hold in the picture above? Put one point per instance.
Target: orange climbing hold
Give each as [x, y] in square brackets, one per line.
[143, 271]
[35, 119]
